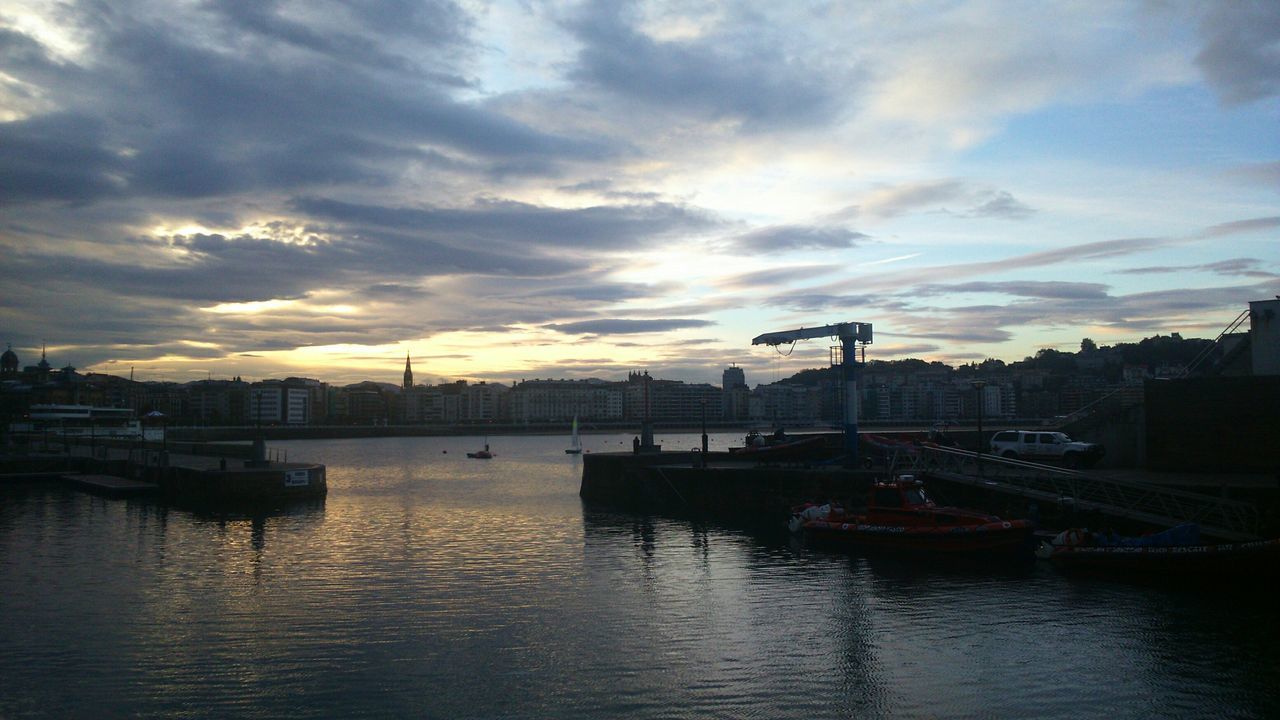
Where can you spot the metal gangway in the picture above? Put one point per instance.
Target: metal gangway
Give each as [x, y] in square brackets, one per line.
[1144, 502]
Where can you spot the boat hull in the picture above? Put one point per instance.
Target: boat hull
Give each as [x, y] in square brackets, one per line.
[1002, 537]
[1260, 557]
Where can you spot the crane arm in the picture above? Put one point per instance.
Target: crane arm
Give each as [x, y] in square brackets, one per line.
[860, 332]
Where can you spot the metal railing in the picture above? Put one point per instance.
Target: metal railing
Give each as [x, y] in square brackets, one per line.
[1144, 502]
[1204, 354]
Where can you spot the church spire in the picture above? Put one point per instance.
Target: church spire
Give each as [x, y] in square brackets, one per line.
[408, 372]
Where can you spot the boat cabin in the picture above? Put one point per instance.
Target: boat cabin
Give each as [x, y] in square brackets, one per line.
[903, 501]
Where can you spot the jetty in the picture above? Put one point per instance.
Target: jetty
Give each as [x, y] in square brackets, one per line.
[727, 487]
[194, 474]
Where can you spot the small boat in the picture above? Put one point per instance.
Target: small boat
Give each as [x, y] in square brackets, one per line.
[575, 443]
[481, 454]
[778, 447]
[1177, 552]
[900, 516]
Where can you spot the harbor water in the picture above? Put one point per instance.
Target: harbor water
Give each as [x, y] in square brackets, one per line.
[432, 585]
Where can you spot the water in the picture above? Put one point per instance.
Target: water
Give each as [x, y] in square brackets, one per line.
[431, 585]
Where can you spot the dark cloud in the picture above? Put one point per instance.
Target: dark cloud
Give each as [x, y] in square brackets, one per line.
[601, 292]
[811, 301]
[432, 24]
[754, 76]
[501, 221]
[606, 188]
[255, 100]
[1240, 57]
[1028, 288]
[785, 238]
[393, 292]
[934, 195]
[1242, 226]
[57, 157]
[1148, 312]
[1240, 267]
[775, 277]
[626, 326]
[211, 268]
[1001, 205]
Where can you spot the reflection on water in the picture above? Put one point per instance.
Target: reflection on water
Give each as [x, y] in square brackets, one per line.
[428, 584]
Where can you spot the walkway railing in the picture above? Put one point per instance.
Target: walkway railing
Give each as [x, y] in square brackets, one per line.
[1144, 502]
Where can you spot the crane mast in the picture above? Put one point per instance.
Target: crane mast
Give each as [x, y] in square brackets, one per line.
[849, 334]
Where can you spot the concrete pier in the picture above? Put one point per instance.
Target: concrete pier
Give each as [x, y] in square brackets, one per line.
[725, 488]
[119, 470]
[111, 485]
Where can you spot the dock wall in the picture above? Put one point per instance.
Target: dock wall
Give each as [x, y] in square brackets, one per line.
[672, 482]
[1224, 424]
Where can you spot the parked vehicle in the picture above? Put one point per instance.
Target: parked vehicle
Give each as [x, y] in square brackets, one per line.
[1040, 446]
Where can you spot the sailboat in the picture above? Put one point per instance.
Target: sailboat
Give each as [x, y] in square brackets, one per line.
[575, 443]
[481, 454]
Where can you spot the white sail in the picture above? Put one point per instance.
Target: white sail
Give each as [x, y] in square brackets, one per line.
[575, 443]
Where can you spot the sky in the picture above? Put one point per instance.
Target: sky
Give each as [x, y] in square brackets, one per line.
[524, 189]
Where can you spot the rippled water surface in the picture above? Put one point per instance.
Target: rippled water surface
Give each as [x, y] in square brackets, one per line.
[431, 585]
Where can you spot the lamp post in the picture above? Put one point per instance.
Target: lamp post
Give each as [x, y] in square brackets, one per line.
[979, 385]
[704, 432]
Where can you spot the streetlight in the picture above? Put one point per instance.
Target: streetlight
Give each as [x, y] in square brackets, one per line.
[979, 385]
[704, 432]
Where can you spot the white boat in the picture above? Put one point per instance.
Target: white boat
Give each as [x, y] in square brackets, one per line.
[575, 443]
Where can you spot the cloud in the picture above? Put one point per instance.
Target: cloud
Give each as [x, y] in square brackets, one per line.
[934, 195]
[751, 74]
[786, 238]
[1239, 56]
[1266, 174]
[1242, 226]
[894, 201]
[507, 222]
[1029, 288]
[964, 335]
[57, 157]
[1001, 205]
[605, 188]
[618, 326]
[257, 99]
[774, 277]
[836, 294]
[1242, 267]
[399, 170]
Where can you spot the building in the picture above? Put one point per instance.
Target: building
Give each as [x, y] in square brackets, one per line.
[537, 401]
[9, 364]
[735, 404]
[218, 402]
[1264, 336]
[280, 402]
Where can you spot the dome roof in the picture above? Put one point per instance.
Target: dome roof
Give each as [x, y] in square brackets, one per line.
[9, 360]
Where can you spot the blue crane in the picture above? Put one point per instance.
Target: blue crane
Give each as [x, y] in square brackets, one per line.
[850, 334]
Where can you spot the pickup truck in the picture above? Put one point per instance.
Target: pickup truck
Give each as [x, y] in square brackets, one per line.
[1040, 446]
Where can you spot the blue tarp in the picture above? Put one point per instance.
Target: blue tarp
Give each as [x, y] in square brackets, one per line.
[1185, 534]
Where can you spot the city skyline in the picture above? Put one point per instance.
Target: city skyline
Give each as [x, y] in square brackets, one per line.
[508, 190]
